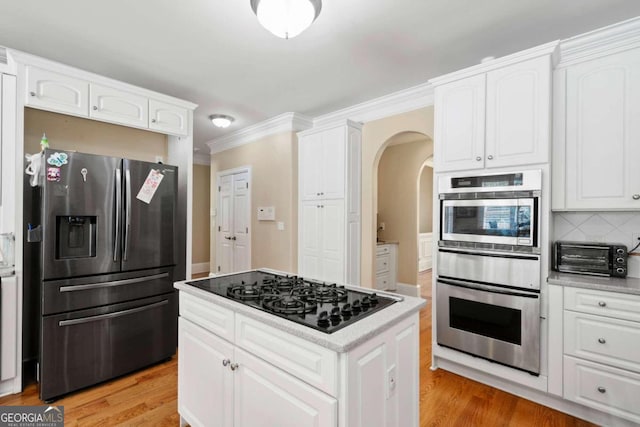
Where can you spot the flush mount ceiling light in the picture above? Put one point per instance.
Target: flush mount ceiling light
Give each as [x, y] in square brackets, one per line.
[221, 120]
[286, 18]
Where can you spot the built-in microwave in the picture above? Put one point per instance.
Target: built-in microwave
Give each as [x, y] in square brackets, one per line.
[497, 211]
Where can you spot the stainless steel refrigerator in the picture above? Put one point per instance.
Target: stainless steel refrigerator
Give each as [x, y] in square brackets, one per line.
[107, 304]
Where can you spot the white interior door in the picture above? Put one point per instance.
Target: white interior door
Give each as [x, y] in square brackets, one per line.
[234, 219]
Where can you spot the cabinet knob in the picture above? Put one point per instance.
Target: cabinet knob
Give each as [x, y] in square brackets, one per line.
[318, 206]
[602, 304]
[322, 206]
[32, 93]
[322, 194]
[490, 157]
[153, 120]
[636, 197]
[234, 366]
[317, 194]
[478, 158]
[95, 107]
[602, 340]
[602, 389]
[226, 362]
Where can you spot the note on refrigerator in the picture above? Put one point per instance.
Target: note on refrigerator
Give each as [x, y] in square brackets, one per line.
[150, 186]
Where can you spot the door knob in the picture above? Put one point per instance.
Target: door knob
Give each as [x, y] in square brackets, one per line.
[602, 340]
[32, 93]
[602, 304]
[153, 120]
[636, 197]
[478, 158]
[490, 157]
[226, 362]
[233, 238]
[234, 366]
[602, 389]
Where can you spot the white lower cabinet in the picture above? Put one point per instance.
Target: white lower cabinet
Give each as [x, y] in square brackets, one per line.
[267, 377]
[386, 266]
[601, 360]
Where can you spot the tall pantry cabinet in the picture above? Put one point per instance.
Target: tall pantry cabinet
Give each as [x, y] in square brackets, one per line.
[329, 166]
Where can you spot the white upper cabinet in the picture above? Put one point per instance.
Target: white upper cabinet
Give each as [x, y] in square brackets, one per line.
[52, 91]
[62, 89]
[168, 118]
[598, 134]
[496, 114]
[518, 114]
[459, 130]
[322, 164]
[117, 106]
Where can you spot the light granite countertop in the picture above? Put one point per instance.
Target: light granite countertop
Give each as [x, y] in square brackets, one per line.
[340, 341]
[627, 285]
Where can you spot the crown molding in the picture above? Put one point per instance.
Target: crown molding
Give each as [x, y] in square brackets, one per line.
[603, 41]
[287, 122]
[202, 159]
[398, 102]
[550, 48]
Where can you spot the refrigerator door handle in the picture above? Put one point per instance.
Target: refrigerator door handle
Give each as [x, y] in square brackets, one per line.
[116, 243]
[75, 288]
[111, 315]
[127, 208]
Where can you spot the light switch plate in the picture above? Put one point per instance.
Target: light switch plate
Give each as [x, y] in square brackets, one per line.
[280, 226]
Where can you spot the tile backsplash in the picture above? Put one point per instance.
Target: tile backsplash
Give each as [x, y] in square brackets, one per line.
[605, 227]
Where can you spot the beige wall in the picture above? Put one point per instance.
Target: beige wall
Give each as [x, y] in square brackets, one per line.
[90, 136]
[375, 137]
[274, 178]
[425, 210]
[398, 201]
[201, 210]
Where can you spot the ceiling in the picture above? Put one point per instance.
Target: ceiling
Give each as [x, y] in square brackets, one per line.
[214, 52]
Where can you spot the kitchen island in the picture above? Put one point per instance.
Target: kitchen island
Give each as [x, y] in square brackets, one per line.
[242, 366]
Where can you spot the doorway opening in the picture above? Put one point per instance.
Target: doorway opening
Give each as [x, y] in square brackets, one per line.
[403, 160]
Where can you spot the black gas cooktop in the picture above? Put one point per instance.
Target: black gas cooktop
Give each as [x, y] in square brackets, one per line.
[326, 307]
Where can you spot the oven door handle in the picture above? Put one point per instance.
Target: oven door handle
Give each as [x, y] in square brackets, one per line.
[111, 315]
[488, 288]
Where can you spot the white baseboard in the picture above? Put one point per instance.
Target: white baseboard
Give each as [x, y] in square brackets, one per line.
[406, 289]
[202, 267]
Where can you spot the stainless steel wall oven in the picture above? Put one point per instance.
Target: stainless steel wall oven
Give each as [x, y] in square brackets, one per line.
[488, 284]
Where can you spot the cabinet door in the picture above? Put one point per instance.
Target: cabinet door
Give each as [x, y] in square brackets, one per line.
[56, 92]
[168, 118]
[117, 106]
[333, 246]
[310, 166]
[266, 396]
[602, 133]
[518, 114]
[459, 125]
[333, 163]
[205, 385]
[310, 234]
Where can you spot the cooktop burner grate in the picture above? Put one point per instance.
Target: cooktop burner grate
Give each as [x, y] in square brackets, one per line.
[323, 306]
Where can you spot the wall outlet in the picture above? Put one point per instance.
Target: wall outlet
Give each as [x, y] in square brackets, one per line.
[382, 226]
[280, 226]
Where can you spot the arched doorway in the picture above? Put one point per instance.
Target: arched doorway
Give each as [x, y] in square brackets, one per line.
[401, 162]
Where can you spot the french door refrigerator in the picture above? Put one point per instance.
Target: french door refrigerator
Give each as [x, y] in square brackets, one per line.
[108, 306]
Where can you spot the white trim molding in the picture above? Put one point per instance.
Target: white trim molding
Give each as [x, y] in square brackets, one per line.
[550, 48]
[202, 267]
[395, 103]
[603, 41]
[287, 122]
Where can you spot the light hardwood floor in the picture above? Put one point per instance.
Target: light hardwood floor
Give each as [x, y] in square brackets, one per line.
[149, 398]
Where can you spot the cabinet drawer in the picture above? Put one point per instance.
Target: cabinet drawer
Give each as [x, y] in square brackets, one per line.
[610, 390]
[310, 362]
[382, 249]
[383, 281]
[612, 304]
[208, 315]
[382, 263]
[602, 339]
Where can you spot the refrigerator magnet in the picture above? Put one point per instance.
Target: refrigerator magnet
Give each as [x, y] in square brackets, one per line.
[58, 159]
[53, 174]
[150, 186]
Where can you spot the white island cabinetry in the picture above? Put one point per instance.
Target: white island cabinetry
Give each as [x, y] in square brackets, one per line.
[238, 367]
